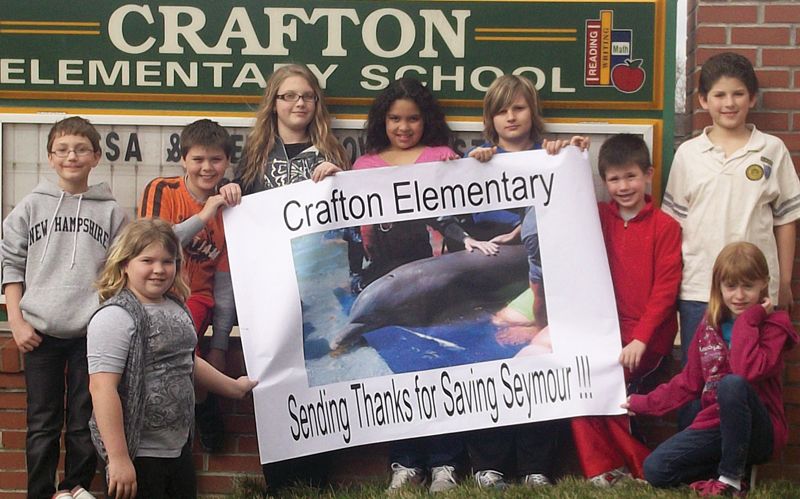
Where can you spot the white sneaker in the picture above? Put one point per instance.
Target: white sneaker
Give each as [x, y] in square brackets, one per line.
[490, 479]
[80, 493]
[443, 478]
[610, 478]
[402, 477]
[536, 480]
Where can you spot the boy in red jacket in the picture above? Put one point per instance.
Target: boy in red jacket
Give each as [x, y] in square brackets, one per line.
[644, 255]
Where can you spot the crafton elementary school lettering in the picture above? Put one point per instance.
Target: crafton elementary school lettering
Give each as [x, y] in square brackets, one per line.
[411, 197]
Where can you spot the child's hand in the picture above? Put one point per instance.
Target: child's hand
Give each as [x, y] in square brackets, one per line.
[25, 336]
[632, 354]
[507, 238]
[767, 304]
[554, 146]
[450, 156]
[488, 248]
[213, 203]
[627, 406]
[483, 154]
[121, 478]
[324, 169]
[580, 141]
[242, 386]
[231, 193]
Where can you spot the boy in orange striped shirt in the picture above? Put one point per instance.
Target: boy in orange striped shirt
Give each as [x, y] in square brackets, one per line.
[193, 203]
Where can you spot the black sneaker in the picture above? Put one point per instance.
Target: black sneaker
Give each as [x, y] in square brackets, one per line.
[210, 424]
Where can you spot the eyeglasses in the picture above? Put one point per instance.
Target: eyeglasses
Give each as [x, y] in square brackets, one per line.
[293, 97]
[79, 151]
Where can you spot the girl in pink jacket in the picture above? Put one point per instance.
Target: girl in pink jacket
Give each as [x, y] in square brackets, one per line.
[735, 362]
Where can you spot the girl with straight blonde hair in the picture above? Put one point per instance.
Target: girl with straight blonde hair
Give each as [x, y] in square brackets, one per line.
[512, 122]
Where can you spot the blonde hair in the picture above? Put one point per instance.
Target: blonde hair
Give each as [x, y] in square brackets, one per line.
[133, 239]
[737, 263]
[261, 139]
[501, 94]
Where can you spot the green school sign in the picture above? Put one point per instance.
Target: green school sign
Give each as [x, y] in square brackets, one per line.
[217, 56]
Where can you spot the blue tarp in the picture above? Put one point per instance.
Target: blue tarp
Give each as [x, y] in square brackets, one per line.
[408, 349]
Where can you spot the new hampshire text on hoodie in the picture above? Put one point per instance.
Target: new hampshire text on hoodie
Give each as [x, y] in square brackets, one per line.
[55, 243]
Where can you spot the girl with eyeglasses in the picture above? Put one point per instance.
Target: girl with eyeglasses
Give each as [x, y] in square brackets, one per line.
[291, 141]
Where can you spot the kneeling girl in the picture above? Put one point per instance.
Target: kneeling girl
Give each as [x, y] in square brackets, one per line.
[735, 364]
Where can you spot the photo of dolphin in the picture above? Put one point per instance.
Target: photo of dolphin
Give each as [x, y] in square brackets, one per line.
[425, 291]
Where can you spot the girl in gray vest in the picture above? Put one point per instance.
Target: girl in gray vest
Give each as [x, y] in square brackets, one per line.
[142, 367]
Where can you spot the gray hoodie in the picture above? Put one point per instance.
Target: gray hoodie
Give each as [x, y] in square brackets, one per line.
[55, 244]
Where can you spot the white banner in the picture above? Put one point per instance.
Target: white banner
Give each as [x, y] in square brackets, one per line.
[425, 349]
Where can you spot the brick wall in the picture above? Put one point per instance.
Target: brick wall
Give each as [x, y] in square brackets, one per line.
[767, 32]
[12, 420]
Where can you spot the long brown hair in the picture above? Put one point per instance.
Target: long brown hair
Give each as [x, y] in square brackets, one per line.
[737, 263]
[261, 139]
[134, 238]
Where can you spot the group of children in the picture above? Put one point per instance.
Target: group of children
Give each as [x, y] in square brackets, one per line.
[128, 368]
[736, 196]
[164, 278]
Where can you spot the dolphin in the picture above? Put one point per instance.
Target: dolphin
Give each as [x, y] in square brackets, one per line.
[416, 293]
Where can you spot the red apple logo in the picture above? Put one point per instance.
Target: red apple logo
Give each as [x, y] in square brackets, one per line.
[628, 77]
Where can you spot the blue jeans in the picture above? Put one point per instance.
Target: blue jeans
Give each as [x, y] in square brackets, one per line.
[691, 313]
[529, 232]
[45, 378]
[743, 438]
